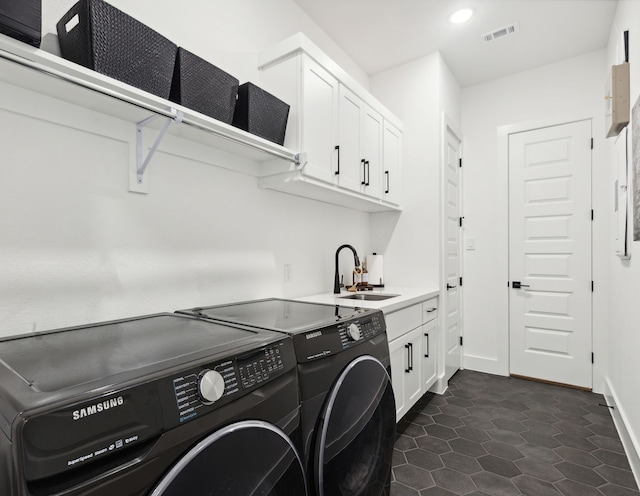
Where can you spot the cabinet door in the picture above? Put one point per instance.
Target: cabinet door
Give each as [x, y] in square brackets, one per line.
[319, 121]
[351, 173]
[398, 356]
[392, 157]
[406, 370]
[413, 377]
[372, 132]
[429, 340]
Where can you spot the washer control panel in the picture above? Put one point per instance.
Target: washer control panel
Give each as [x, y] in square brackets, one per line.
[200, 390]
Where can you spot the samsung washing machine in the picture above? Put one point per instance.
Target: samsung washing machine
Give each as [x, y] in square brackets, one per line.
[160, 405]
[347, 403]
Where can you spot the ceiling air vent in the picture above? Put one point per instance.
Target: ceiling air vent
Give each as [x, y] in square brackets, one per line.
[501, 33]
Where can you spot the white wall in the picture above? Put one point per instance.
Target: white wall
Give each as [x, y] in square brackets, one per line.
[77, 247]
[624, 338]
[569, 90]
[417, 92]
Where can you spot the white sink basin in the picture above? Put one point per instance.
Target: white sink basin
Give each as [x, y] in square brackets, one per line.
[368, 296]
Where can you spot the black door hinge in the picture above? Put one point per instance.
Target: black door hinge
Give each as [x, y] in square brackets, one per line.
[459, 162]
[592, 143]
[592, 358]
[461, 221]
[460, 280]
[460, 340]
[592, 286]
[591, 214]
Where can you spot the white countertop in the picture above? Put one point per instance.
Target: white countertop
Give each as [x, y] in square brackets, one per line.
[406, 297]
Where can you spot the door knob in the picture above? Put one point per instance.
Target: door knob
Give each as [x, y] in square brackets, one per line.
[518, 285]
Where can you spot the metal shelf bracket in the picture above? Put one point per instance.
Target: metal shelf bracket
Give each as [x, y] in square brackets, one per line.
[142, 164]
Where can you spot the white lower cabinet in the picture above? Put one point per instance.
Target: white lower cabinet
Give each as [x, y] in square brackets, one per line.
[429, 344]
[413, 341]
[406, 368]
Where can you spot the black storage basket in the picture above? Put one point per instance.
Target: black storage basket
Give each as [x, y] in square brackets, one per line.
[200, 85]
[22, 20]
[115, 44]
[261, 113]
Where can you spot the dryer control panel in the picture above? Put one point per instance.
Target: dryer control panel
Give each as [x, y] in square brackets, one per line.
[333, 339]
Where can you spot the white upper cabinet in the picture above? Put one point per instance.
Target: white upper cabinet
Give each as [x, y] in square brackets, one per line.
[317, 127]
[351, 172]
[392, 164]
[337, 127]
[359, 145]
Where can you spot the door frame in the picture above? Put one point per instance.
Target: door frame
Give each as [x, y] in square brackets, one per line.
[441, 384]
[602, 216]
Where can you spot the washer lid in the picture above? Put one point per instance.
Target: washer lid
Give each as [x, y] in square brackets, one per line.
[280, 315]
[111, 352]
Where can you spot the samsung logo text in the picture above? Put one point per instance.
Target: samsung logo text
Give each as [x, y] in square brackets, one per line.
[98, 408]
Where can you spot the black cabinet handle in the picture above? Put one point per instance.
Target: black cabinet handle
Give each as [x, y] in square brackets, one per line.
[338, 149]
[426, 355]
[368, 173]
[386, 173]
[411, 355]
[364, 172]
[408, 369]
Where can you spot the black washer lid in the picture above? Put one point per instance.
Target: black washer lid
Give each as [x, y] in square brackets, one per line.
[67, 358]
[279, 314]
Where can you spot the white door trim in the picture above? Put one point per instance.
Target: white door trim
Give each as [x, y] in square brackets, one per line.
[502, 244]
[446, 124]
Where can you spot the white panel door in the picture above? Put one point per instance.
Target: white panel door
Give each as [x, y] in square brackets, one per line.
[372, 125]
[351, 173]
[391, 163]
[550, 253]
[451, 304]
[319, 121]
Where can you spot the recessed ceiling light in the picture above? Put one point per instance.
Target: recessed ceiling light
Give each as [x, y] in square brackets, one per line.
[460, 16]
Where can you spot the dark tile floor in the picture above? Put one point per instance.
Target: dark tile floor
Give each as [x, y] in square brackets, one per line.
[501, 436]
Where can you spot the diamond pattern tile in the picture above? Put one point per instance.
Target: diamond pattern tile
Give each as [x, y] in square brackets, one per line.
[500, 436]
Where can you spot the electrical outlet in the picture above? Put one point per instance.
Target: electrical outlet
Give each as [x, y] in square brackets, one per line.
[288, 272]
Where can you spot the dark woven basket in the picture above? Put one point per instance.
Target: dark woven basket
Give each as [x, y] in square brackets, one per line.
[115, 44]
[261, 113]
[202, 86]
[22, 20]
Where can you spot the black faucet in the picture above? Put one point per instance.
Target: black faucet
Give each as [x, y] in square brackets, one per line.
[356, 260]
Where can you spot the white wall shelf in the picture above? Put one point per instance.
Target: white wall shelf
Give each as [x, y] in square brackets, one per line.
[42, 72]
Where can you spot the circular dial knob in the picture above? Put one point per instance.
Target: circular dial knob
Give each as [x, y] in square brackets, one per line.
[211, 386]
[353, 331]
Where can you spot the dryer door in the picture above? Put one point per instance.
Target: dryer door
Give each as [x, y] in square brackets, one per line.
[356, 432]
[248, 458]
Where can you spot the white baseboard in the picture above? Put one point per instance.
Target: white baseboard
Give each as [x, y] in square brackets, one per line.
[440, 386]
[629, 441]
[483, 364]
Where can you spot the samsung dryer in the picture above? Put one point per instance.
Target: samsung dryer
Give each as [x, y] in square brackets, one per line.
[160, 405]
[348, 407]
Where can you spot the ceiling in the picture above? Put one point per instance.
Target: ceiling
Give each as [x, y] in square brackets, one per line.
[380, 34]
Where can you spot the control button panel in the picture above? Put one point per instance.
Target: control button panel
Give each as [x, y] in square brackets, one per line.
[201, 390]
[187, 388]
[258, 368]
[360, 329]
